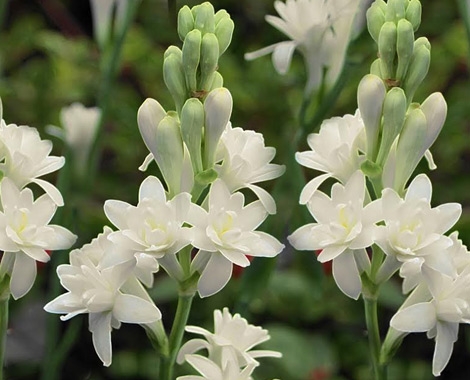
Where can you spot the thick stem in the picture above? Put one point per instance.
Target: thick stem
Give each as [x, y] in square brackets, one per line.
[4, 298]
[176, 336]
[370, 307]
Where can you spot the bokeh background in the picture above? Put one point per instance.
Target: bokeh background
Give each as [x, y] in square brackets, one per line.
[48, 59]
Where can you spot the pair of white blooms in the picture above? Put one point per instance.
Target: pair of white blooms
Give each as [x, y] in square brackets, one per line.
[25, 233]
[408, 230]
[320, 30]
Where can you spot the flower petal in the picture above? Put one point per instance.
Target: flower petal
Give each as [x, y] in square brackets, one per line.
[347, 275]
[23, 275]
[215, 275]
[420, 317]
[132, 309]
[100, 327]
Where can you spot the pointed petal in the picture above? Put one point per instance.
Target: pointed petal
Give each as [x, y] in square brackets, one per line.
[282, 56]
[191, 347]
[311, 187]
[23, 275]
[215, 276]
[132, 309]
[347, 275]
[266, 199]
[152, 188]
[420, 317]
[50, 190]
[99, 325]
[445, 338]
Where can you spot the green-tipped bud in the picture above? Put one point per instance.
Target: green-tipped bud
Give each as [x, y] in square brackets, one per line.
[170, 152]
[395, 10]
[409, 151]
[220, 15]
[149, 115]
[388, 49]
[224, 31]
[370, 97]
[375, 20]
[417, 70]
[173, 76]
[185, 22]
[413, 13]
[405, 42]
[375, 68]
[218, 109]
[209, 60]
[204, 17]
[172, 49]
[217, 81]
[192, 123]
[394, 111]
[191, 57]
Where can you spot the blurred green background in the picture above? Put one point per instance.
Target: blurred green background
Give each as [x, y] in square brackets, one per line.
[48, 59]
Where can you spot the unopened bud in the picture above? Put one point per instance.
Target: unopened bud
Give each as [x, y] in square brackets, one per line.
[435, 110]
[217, 81]
[192, 123]
[418, 68]
[173, 76]
[405, 41]
[375, 68]
[370, 97]
[204, 17]
[220, 15]
[394, 111]
[209, 60]
[224, 32]
[409, 148]
[191, 57]
[388, 49]
[375, 20]
[170, 152]
[395, 10]
[218, 109]
[413, 13]
[149, 115]
[185, 22]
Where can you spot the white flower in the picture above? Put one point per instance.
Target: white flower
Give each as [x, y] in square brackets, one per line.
[343, 229]
[440, 317]
[97, 292]
[24, 157]
[211, 371]
[335, 150]
[231, 342]
[246, 160]
[79, 129]
[225, 235]
[319, 29]
[154, 227]
[102, 11]
[25, 235]
[413, 233]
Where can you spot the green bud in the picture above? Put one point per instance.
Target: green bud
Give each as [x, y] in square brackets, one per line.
[217, 81]
[220, 15]
[394, 111]
[375, 20]
[413, 13]
[192, 123]
[370, 97]
[206, 177]
[387, 49]
[395, 10]
[422, 41]
[408, 149]
[224, 31]
[191, 56]
[218, 109]
[170, 148]
[375, 68]
[185, 22]
[172, 49]
[173, 76]
[417, 70]
[209, 60]
[204, 18]
[405, 42]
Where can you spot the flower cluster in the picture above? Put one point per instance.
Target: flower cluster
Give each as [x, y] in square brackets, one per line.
[25, 232]
[229, 348]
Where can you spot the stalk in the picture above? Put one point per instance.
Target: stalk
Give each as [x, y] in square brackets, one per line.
[4, 298]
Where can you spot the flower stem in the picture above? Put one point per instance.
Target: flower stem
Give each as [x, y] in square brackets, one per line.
[370, 307]
[4, 298]
[185, 300]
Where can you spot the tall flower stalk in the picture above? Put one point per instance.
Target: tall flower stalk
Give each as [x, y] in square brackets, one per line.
[378, 220]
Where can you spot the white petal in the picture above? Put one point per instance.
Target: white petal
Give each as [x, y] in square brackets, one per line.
[215, 276]
[420, 317]
[347, 275]
[266, 199]
[445, 338]
[132, 309]
[302, 238]
[259, 53]
[50, 190]
[100, 327]
[420, 188]
[152, 188]
[311, 187]
[282, 56]
[205, 367]
[191, 347]
[149, 115]
[116, 212]
[23, 275]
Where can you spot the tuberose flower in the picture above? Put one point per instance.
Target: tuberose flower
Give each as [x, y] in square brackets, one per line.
[225, 235]
[320, 30]
[25, 235]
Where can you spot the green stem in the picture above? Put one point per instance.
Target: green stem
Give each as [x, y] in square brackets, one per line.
[4, 298]
[176, 336]
[370, 307]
